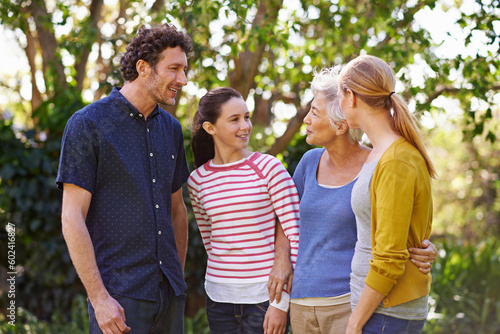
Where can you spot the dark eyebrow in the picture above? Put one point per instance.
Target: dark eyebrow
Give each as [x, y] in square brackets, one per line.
[178, 65]
[237, 115]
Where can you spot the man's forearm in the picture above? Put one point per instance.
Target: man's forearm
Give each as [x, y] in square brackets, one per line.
[180, 225]
[82, 254]
[181, 237]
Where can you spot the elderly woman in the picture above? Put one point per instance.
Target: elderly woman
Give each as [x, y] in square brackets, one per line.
[324, 178]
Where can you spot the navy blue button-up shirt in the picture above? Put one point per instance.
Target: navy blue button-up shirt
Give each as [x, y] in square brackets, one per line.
[131, 166]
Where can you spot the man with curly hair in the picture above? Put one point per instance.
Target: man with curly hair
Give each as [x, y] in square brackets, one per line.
[121, 171]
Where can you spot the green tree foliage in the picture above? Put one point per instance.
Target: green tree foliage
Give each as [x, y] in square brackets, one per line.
[466, 195]
[465, 295]
[30, 201]
[266, 49]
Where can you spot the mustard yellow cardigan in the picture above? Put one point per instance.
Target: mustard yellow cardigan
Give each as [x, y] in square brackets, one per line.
[401, 217]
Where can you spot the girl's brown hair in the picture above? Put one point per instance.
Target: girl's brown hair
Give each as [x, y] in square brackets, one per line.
[209, 110]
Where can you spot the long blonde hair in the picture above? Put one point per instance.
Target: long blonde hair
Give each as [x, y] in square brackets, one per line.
[373, 81]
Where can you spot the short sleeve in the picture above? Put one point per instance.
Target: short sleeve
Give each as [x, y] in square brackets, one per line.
[78, 161]
[299, 175]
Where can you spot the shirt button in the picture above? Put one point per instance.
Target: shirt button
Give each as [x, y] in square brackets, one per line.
[159, 232]
[131, 114]
[385, 302]
[151, 154]
[173, 157]
[148, 130]
[160, 262]
[140, 115]
[157, 206]
[154, 180]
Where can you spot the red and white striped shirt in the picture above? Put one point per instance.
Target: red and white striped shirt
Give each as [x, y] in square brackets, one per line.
[235, 206]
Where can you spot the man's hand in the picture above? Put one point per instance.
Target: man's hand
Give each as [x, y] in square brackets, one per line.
[423, 257]
[275, 321]
[110, 316]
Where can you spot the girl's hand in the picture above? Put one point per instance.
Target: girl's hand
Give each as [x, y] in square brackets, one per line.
[423, 257]
[275, 321]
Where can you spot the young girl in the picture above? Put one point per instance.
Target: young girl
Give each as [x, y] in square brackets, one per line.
[236, 195]
[391, 200]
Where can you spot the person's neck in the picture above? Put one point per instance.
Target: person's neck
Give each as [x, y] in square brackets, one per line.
[341, 162]
[138, 97]
[222, 157]
[380, 132]
[343, 153]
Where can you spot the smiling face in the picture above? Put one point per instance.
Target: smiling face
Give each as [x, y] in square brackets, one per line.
[318, 127]
[231, 131]
[169, 75]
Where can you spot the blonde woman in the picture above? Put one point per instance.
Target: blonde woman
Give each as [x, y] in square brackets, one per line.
[391, 201]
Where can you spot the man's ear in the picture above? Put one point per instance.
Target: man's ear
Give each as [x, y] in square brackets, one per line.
[142, 67]
[209, 128]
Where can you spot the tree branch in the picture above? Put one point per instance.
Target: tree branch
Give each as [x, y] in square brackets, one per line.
[157, 6]
[292, 128]
[442, 89]
[262, 111]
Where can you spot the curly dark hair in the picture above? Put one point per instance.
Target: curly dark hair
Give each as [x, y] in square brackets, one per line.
[148, 45]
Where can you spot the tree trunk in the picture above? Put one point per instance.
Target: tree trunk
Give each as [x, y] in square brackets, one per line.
[36, 96]
[48, 43]
[247, 63]
[105, 67]
[95, 16]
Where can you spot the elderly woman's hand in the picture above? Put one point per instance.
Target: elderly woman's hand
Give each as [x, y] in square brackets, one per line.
[280, 278]
[423, 257]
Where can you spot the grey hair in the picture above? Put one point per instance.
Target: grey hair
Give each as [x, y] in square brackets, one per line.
[325, 82]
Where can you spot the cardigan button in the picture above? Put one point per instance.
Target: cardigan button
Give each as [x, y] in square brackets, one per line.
[385, 302]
